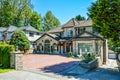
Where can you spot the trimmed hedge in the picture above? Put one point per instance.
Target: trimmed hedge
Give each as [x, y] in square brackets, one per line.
[5, 50]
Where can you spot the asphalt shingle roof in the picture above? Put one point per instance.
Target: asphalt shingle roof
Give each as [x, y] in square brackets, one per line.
[2, 29]
[85, 23]
[29, 28]
[71, 23]
[55, 30]
[11, 28]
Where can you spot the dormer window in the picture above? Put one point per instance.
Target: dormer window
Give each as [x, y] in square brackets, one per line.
[81, 30]
[31, 34]
[70, 33]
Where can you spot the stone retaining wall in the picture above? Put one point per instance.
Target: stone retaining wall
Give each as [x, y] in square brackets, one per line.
[16, 61]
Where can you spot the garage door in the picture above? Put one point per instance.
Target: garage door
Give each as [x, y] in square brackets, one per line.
[112, 56]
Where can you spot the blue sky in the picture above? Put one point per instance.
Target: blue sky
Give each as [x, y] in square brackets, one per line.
[63, 9]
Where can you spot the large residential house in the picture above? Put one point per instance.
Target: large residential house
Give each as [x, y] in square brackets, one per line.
[75, 36]
[32, 33]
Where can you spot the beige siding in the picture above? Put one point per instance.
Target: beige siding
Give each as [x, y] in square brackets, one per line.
[46, 38]
[89, 29]
[85, 34]
[66, 31]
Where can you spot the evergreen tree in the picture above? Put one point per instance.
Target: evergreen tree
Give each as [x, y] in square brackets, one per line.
[79, 18]
[105, 15]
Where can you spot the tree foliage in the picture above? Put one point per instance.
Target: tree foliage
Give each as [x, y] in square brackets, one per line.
[19, 13]
[5, 50]
[20, 40]
[79, 18]
[50, 21]
[105, 15]
[15, 12]
[36, 21]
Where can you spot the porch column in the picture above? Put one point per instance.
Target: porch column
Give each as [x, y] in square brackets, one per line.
[94, 47]
[50, 49]
[44, 48]
[70, 48]
[62, 49]
[105, 52]
[65, 47]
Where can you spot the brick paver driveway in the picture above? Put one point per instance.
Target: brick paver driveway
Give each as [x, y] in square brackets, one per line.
[48, 63]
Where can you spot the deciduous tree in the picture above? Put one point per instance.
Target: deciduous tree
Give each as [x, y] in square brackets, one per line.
[36, 21]
[50, 21]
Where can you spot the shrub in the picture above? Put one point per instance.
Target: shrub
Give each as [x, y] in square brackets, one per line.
[89, 57]
[20, 40]
[70, 54]
[5, 50]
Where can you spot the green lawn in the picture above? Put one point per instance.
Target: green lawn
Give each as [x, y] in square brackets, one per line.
[4, 70]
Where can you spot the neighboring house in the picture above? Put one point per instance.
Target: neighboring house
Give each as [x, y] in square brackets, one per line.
[75, 36]
[2, 33]
[32, 33]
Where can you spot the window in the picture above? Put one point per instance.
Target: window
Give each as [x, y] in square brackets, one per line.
[85, 47]
[47, 46]
[38, 34]
[31, 34]
[81, 30]
[54, 47]
[70, 33]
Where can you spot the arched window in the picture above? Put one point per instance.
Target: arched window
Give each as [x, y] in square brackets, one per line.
[54, 47]
[47, 46]
[39, 47]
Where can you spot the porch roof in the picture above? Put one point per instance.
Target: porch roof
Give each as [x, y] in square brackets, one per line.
[90, 36]
[65, 39]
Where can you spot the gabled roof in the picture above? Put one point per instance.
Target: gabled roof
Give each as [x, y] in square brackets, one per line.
[2, 29]
[91, 37]
[56, 30]
[84, 23]
[50, 35]
[11, 28]
[71, 23]
[29, 28]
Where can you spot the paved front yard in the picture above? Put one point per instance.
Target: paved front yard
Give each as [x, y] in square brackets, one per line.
[48, 63]
[62, 68]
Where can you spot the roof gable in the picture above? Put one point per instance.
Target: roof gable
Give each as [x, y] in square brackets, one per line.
[86, 34]
[47, 35]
